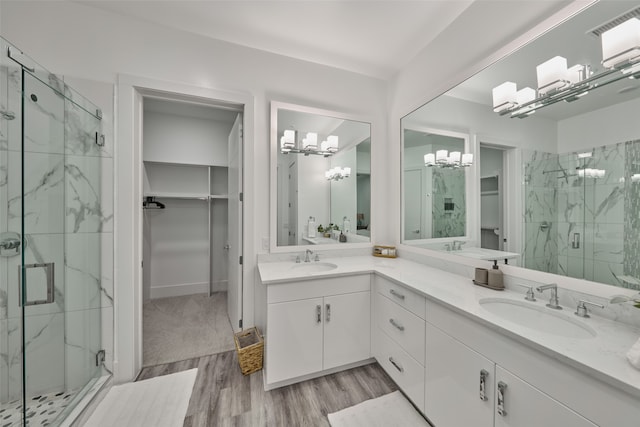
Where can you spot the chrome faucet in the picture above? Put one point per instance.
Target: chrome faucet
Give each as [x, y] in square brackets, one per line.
[306, 258]
[553, 301]
[457, 245]
[582, 310]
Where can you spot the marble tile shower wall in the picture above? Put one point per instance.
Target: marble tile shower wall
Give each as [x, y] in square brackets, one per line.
[592, 210]
[68, 211]
[449, 205]
[584, 218]
[540, 211]
[631, 245]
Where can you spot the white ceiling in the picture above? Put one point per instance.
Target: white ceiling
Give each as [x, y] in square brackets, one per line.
[375, 38]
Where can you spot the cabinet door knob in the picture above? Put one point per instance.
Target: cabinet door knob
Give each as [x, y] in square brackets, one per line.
[318, 313]
[502, 388]
[328, 312]
[483, 384]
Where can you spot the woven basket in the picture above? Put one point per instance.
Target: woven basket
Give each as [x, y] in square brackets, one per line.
[249, 345]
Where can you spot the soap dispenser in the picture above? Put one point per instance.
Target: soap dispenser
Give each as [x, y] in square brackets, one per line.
[495, 277]
[346, 225]
[311, 227]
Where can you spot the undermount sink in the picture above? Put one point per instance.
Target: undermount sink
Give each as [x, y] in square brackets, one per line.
[538, 318]
[314, 267]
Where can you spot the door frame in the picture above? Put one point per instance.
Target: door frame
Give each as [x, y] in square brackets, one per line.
[128, 224]
[513, 211]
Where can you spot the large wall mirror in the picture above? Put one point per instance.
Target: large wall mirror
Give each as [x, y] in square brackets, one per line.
[320, 178]
[555, 135]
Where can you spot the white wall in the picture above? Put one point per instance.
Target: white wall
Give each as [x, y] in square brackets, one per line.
[610, 125]
[454, 114]
[313, 193]
[99, 45]
[167, 136]
[344, 196]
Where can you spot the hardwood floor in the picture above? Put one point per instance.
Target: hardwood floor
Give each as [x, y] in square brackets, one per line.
[222, 396]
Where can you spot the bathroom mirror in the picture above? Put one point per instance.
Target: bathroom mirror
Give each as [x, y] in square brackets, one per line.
[434, 191]
[320, 178]
[567, 134]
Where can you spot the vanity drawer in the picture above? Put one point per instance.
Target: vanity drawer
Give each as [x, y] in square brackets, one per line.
[401, 325]
[404, 297]
[315, 288]
[401, 367]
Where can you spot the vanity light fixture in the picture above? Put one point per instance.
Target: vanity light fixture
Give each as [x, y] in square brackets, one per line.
[504, 97]
[591, 173]
[337, 173]
[444, 159]
[552, 75]
[556, 82]
[621, 44]
[309, 144]
[288, 141]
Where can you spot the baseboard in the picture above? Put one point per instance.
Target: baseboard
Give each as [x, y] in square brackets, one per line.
[219, 286]
[179, 290]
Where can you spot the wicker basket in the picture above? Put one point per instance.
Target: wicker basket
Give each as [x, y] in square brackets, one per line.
[249, 345]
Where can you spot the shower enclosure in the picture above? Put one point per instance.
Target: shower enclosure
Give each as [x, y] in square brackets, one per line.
[52, 244]
[582, 213]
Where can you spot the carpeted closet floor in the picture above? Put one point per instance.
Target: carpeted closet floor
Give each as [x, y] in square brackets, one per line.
[185, 327]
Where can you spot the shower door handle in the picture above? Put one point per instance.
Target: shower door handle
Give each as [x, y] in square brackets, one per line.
[49, 269]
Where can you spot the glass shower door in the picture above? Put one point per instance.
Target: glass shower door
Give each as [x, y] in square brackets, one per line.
[50, 246]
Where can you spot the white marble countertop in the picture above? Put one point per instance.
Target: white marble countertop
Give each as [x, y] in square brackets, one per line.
[482, 253]
[602, 357]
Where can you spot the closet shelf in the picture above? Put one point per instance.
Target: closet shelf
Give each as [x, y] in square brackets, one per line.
[219, 196]
[164, 195]
[489, 193]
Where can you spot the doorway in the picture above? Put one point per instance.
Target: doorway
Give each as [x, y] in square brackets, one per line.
[191, 227]
[492, 159]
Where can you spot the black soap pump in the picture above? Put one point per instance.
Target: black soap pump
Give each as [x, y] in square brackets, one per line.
[343, 237]
[495, 277]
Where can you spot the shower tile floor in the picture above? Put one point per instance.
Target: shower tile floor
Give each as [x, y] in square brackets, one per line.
[43, 409]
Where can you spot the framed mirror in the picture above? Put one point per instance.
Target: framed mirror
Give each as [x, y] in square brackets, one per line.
[320, 178]
[434, 183]
[554, 130]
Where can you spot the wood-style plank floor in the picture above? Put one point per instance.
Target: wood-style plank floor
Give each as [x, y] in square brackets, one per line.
[222, 396]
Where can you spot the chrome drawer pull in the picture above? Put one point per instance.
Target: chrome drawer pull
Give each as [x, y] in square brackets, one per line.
[396, 294]
[398, 326]
[396, 364]
[328, 308]
[318, 313]
[502, 387]
[483, 384]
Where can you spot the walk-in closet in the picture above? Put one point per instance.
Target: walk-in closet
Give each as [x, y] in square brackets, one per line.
[186, 227]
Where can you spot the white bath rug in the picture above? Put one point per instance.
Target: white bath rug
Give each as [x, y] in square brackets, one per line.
[390, 410]
[156, 402]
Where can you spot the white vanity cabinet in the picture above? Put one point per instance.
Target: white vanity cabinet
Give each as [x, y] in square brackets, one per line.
[399, 336]
[519, 404]
[462, 387]
[316, 325]
[459, 383]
